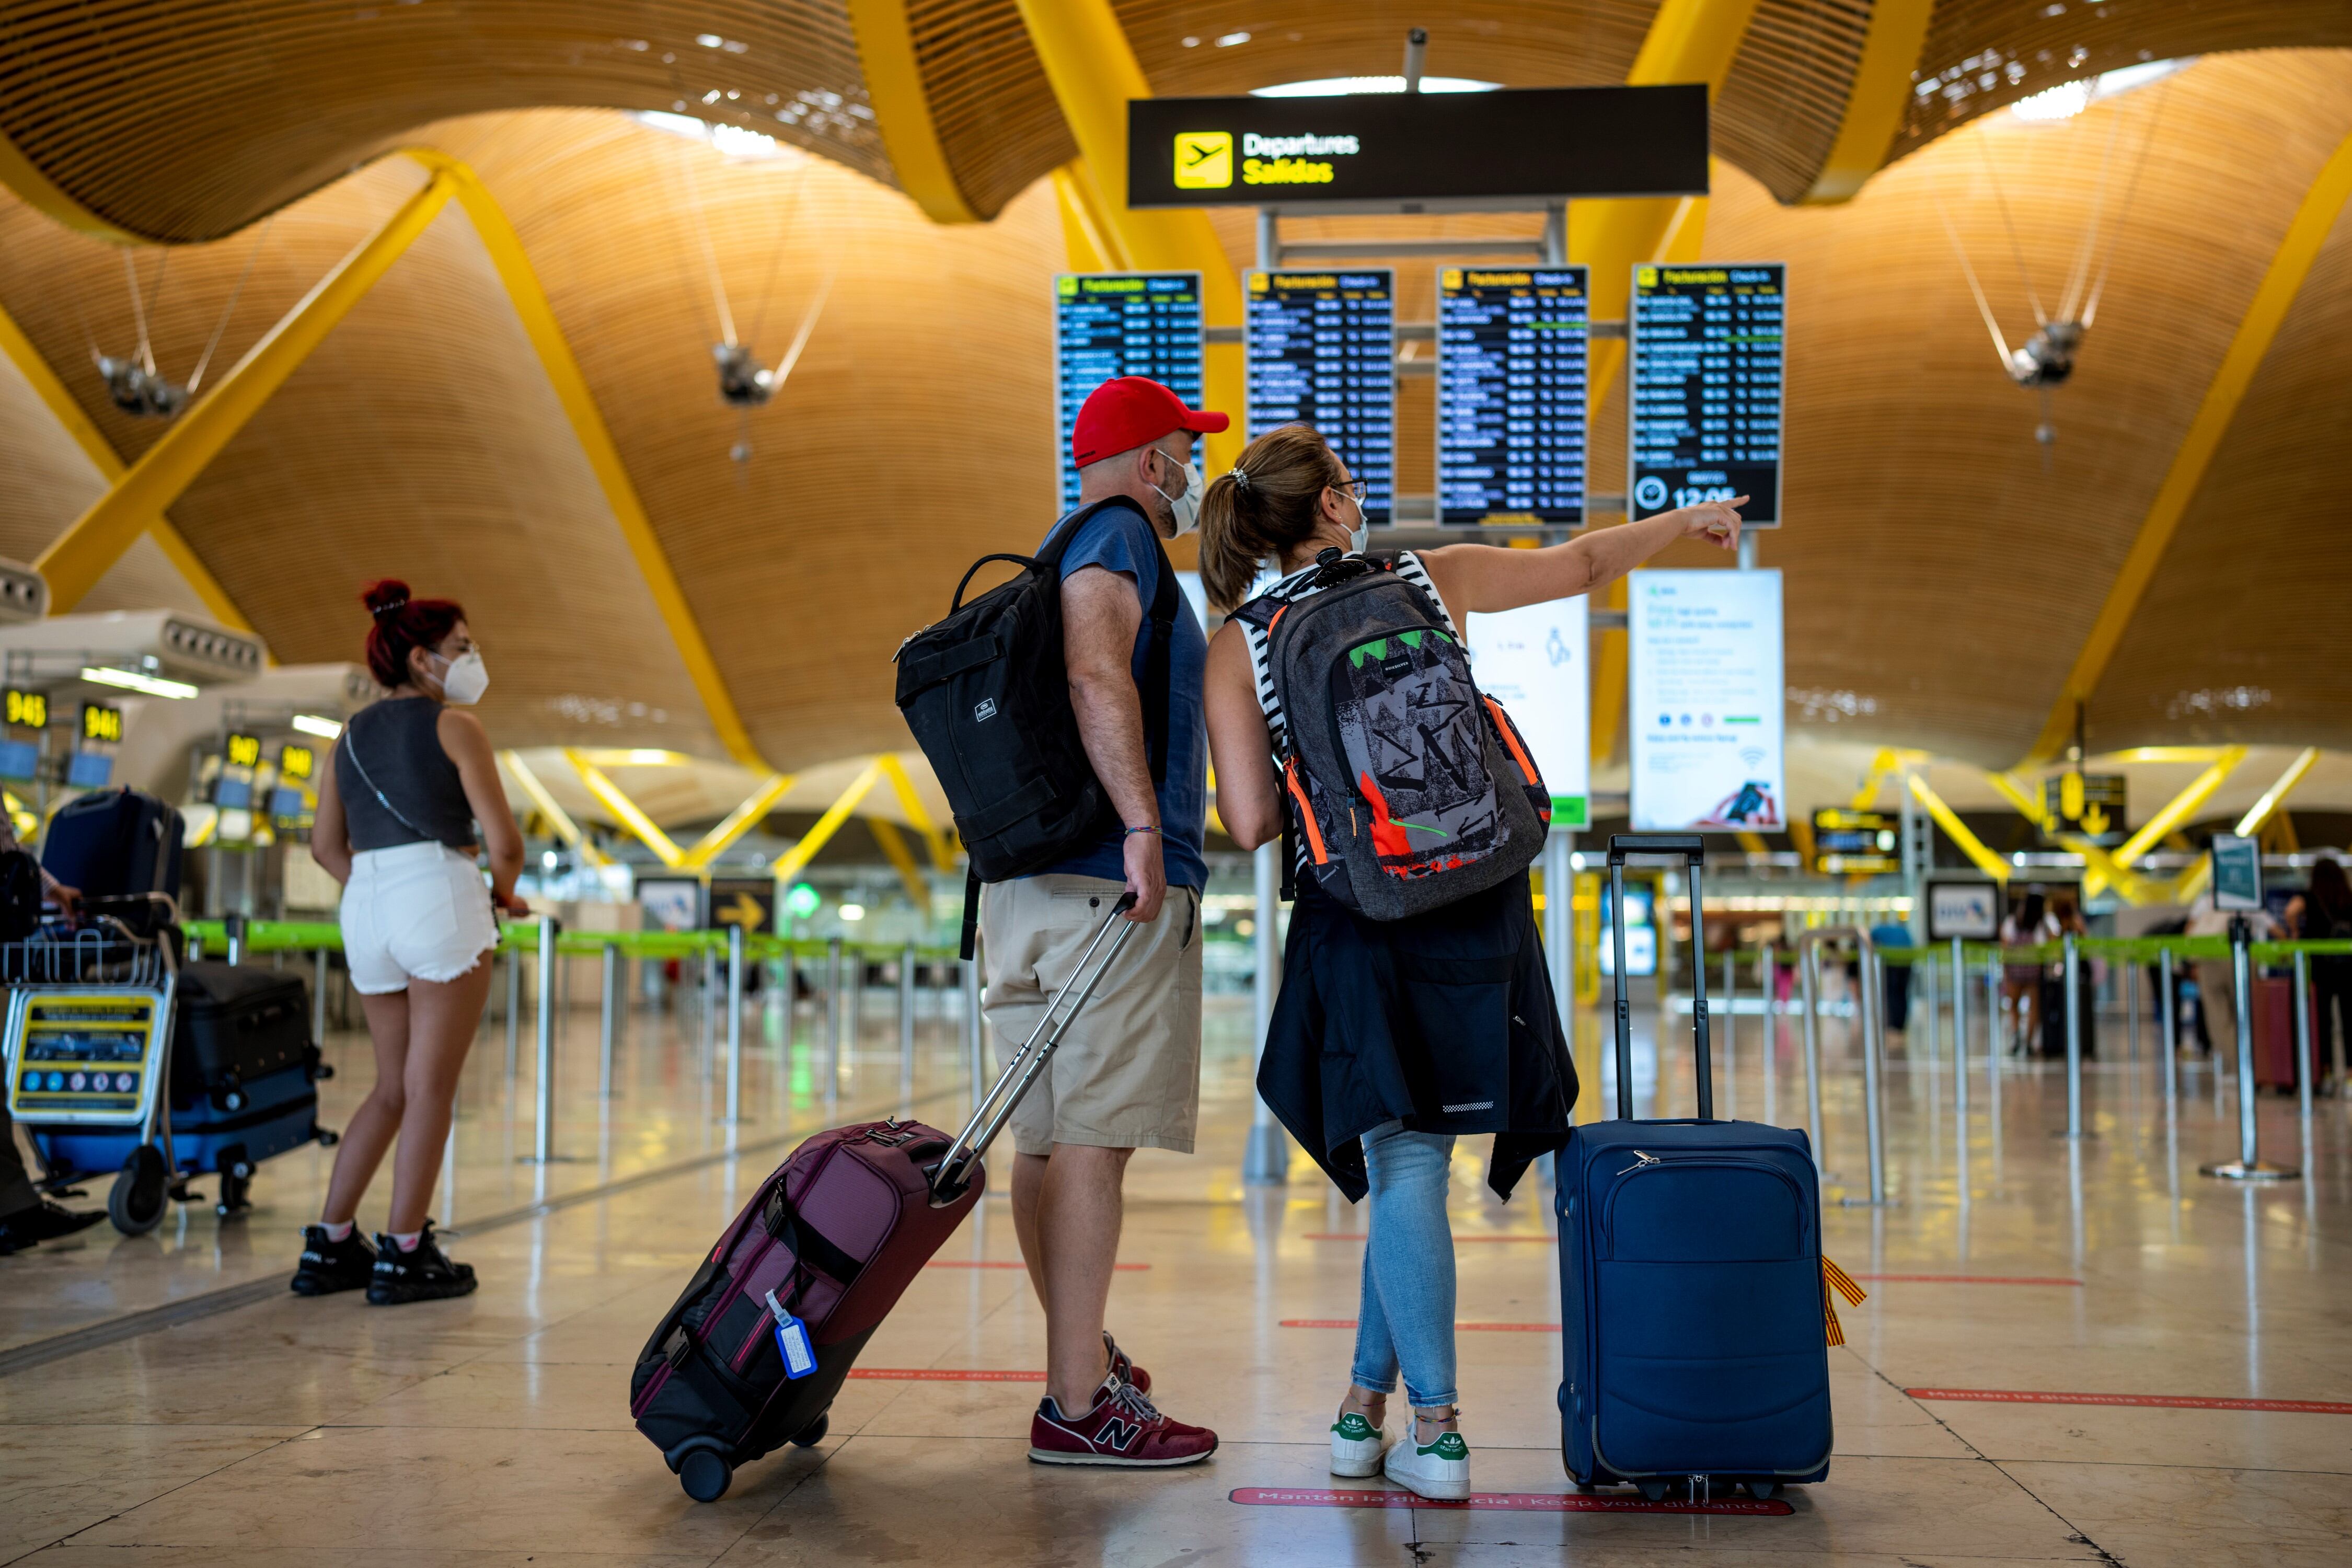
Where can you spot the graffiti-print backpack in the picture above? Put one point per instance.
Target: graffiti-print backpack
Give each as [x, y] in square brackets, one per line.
[1407, 787]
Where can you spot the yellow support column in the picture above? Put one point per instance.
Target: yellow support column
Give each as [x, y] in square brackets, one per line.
[1990, 864]
[739, 821]
[801, 854]
[1094, 73]
[918, 815]
[549, 807]
[902, 109]
[609, 794]
[902, 860]
[1875, 101]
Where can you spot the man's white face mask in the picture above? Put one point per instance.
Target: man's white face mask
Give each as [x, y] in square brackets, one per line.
[1185, 504]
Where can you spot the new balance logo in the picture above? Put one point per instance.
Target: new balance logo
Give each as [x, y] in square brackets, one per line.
[1117, 1435]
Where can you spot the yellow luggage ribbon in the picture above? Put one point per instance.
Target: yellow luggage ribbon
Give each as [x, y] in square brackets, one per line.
[1837, 1280]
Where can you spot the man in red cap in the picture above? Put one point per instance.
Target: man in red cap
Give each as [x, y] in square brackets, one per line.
[1128, 1075]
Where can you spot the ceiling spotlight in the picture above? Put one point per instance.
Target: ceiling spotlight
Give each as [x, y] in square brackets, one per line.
[311, 724]
[2047, 358]
[136, 390]
[133, 680]
[743, 380]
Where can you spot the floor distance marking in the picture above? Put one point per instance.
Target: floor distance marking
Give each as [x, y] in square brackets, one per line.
[1459, 1327]
[2156, 1401]
[944, 1374]
[1517, 1502]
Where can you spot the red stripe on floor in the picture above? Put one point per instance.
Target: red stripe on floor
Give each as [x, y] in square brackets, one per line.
[1964, 1280]
[2159, 1400]
[1354, 1236]
[1464, 1328]
[1521, 1502]
[944, 1374]
[995, 1263]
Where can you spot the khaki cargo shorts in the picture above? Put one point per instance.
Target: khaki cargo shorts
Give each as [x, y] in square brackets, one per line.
[1128, 1075]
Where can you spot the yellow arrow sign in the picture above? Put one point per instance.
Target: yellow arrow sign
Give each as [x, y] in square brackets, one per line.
[2096, 820]
[745, 911]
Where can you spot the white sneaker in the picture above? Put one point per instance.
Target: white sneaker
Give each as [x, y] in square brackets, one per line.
[1440, 1471]
[1355, 1447]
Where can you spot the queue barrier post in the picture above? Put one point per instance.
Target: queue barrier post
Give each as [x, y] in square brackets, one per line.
[1806, 966]
[318, 969]
[1767, 980]
[2131, 1010]
[734, 1022]
[233, 928]
[2303, 1062]
[973, 1069]
[907, 1027]
[1870, 972]
[514, 1009]
[710, 1002]
[608, 1020]
[1960, 1045]
[837, 1006]
[2070, 966]
[542, 1144]
[1730, 1037]
[2249, 1167]
[2168, 1005]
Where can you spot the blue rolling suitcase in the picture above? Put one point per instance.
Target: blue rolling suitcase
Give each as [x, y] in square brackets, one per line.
[1691, 1280]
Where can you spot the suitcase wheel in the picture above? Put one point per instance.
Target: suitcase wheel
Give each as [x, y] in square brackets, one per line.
[136, 1204]
[810, 1436]
[705, 1476]
[236, 1179]
[1762, 1488]
[1654, 1490]
[323, 1071]
[328, 1137]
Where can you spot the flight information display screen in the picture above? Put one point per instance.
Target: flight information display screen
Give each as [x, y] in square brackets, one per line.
[1707, 376]
[1110, 324]
[1322, 351]
[1511, 349]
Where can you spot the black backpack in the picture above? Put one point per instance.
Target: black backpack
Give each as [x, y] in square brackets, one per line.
[987, 694]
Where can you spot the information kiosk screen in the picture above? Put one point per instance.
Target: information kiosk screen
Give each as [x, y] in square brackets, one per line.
[1707, 357]
[1510, 395]
[1110, 324]
[1322, 351]
[1704, 701]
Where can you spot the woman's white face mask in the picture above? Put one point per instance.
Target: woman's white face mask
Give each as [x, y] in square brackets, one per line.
[464, 678]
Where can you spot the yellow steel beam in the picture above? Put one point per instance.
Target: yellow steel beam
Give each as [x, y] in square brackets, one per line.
[2177, 811]
[20, 175]
[902, 860]
[2305, 236]
[609, 794]
[918, 815]
[902, 109]
[2274, 796]
[538, 323]
[79, 557]
[2019, 793]
[1874, 100]
[551, 809]
[801, 854]
[1887, 761]
[2164, 754]
[1990, 864]
[1688, 40]
[739, 822]
[1609, 684]
[1089, 239]
[1094, 73]
[102, 456]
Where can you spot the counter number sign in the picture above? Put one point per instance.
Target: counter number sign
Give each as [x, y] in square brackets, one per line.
[101, 724]
[295, 762]
[29, 708]
[243, 750]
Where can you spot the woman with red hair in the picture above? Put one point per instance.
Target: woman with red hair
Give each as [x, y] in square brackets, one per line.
[411, 800]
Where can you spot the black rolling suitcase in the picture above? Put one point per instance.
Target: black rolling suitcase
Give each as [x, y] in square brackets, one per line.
[235, 1025]
[115, 841]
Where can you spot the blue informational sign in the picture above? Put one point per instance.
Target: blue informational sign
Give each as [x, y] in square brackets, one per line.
[1110, 324]
[287, 804]
[1322, 351]
[19, 760]
[1707, 369]
[233, 795]
[89, 770]
[1511, 366]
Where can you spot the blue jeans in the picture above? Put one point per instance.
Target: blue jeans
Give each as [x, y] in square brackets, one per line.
[1407, 1312]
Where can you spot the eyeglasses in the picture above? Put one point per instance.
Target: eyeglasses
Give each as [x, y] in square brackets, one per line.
[1353, 488]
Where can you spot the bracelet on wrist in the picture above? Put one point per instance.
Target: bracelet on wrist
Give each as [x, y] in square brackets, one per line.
[1145, 829]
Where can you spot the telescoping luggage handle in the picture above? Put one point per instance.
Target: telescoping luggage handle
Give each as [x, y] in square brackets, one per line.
[1691, 848]
[954, 1170]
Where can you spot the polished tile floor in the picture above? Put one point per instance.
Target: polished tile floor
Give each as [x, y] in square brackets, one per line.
[495, 1430]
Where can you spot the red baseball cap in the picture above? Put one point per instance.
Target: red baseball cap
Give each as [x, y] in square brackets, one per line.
[1122, 415]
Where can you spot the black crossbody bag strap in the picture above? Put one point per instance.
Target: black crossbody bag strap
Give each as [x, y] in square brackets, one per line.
[351, 750]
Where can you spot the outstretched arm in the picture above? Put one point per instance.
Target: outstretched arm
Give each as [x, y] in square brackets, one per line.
[1481, 578]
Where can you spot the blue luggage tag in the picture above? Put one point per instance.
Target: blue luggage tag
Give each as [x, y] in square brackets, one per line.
[792, 1341]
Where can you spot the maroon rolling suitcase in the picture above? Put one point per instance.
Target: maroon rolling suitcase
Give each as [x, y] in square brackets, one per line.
[2272, 1025]
[829, 1241]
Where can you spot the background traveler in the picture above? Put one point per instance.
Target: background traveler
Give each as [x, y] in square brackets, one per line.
[412, 775]
[2322, 912]
[27, 1218]
[1391, 1039]
[1128, 1075]
[2028, 925]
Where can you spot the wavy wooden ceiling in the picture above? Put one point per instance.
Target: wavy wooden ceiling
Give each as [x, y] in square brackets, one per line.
[184, 119]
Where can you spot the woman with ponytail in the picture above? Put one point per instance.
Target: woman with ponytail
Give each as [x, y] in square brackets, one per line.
[411, 800]
[1392, 1037]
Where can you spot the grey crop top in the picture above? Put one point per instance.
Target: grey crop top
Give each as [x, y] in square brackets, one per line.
[399, 753]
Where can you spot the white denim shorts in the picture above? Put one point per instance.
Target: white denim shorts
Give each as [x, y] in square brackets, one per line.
[415, 912]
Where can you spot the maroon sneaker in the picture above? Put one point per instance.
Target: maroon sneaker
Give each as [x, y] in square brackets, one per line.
[1123, 1367]
[1123, 1429]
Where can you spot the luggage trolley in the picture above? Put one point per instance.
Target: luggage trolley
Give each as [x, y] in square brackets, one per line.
[87, 1051]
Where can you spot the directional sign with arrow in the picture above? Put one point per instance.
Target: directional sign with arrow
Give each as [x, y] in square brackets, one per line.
[749, 902]
[2084, 806]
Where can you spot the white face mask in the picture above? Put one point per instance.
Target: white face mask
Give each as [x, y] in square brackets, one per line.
[463, 683]
[1185, 504]
[1360, 538]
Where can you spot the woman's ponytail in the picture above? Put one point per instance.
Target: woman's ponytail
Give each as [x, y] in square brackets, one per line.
[1270, 501]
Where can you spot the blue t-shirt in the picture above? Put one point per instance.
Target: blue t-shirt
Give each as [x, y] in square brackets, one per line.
[1119, 539]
